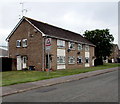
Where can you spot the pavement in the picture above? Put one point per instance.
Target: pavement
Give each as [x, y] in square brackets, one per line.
[17, 88]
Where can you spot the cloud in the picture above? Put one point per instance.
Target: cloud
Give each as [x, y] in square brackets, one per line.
[74, 16]
[4, 34]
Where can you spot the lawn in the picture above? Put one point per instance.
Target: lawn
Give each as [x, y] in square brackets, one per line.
[15, 77]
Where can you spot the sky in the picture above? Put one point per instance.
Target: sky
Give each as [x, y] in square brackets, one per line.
[73, 15]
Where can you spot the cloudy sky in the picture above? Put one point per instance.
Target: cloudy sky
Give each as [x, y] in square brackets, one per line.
[76, 16]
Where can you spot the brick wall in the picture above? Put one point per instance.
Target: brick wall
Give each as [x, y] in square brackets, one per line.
[34, 48]
[71, 53]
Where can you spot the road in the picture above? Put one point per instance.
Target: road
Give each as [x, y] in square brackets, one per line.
[100, 88]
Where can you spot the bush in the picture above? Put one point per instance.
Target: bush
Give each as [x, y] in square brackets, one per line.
[98, 61]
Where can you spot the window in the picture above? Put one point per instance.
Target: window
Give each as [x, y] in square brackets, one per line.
[71, 45]
[24, 59]
[86, 60]
[18, 43]
[60, 43]
[61, 60]
[86, 48]
[79, 60]
[71, 59]
[24, 42]
[80, 47]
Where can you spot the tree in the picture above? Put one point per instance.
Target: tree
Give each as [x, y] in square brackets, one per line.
[103, 41]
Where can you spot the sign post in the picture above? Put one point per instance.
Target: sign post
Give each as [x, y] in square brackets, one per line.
[48, 47]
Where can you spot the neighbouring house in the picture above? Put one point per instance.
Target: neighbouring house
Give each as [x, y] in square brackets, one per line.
[119, 57]
[68, 50]
[115, 55]
[3, 52]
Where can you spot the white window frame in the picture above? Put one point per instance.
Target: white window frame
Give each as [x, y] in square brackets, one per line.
[60, 43]
[69, 45]
[80, 46]
[19, 43]
[88, 59]
[79, 57]
[24, 43]
[86, 47]
[24, 59]
[69, 60]
[59, 58]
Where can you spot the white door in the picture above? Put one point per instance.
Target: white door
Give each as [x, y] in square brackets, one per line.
[93, 62]
[19, 63]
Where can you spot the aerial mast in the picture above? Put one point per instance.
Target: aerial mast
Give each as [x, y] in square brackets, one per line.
[23, 11]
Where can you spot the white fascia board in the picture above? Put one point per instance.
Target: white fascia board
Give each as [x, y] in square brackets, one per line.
[35, 27]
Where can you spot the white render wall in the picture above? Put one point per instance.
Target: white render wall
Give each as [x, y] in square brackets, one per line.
[61, 67]
[60, 52]
[87, 54]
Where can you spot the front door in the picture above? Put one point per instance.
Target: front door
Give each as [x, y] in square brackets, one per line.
[19, 63]
[48, 63]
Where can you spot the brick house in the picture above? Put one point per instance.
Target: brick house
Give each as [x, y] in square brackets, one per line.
[115, 55]
[68, 49]
[3, 52]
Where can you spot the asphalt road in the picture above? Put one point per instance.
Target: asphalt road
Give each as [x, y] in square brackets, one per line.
[100, 88]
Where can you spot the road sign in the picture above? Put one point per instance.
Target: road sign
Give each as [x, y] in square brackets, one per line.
[47, 47]
[48, 44]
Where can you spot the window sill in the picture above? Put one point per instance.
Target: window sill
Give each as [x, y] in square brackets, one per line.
[18, 46]
[80, 50]
[60, 63]
[79, 63]
[71, 63]
[61, 47]
[24, 46]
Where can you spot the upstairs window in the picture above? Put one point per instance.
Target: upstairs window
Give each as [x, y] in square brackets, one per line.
[71, 60]
[80, 47]
[86, 48]
[71, 45]
[18, 43]
[61, 60]
[60, 43]
[24, 42]
[79, 60]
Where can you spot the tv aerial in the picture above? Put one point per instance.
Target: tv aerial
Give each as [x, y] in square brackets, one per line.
[23, 11]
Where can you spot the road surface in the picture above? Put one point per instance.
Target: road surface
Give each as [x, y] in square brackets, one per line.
[100, 88]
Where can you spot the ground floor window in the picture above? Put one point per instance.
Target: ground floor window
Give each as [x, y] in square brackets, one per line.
[71, 59]
[61, 59]
[86, 60]
[79, 60]
[24, 58]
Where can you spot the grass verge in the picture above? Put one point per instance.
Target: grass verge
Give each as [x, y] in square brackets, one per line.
[16, 77]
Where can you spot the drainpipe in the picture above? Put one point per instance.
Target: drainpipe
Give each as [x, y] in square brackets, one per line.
[43, 53]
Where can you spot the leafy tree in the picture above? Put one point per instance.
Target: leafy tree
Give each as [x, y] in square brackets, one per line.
[103, 41]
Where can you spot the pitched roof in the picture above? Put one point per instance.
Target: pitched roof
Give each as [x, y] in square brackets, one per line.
[53, 31]
[58, 32]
